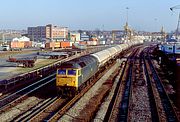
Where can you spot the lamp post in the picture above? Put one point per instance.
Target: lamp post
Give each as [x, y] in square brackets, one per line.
[127, 8]
[126, 26]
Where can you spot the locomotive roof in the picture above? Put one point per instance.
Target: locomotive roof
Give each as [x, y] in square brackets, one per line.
[78, 62]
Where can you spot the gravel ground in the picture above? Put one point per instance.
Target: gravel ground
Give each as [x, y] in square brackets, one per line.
[21, 107]
[104, 106]
[139, 107]
[166, 83]
[75, 110]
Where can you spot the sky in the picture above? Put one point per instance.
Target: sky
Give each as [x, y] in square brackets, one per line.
[143, 15]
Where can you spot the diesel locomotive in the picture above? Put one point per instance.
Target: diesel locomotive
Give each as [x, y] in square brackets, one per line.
[73, 75]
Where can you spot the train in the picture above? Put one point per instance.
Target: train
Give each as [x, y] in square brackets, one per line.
[170, 48]
[73, 75]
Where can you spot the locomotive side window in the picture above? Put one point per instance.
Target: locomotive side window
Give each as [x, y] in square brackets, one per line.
[79, 72]
[61, 72]
[71, 72]
[82, 64]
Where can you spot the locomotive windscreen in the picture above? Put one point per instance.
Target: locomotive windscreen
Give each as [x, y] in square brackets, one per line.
[71, 72]
[61, 72]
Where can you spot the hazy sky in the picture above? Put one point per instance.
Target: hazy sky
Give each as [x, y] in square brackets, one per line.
[147, 15]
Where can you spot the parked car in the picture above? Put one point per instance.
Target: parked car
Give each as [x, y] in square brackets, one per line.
[4, 47]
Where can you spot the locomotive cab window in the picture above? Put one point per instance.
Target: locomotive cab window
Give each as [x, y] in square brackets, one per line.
[71, 72]
[61, 72]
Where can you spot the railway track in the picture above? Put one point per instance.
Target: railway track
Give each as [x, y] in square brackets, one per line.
[17, 97]
[25, 116]
[168, 108]
[124, 107]
[141, 104]
[49, 109]
[45, 113]
[122, 94]
[42, 111]
[127, 104]
[153, 104]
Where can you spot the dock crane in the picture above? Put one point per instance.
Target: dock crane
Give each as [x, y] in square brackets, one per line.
[172, 9]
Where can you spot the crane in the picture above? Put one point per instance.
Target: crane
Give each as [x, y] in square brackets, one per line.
[172, 9]
[175, 7]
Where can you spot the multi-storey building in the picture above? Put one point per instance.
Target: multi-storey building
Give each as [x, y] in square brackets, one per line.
[48, 33]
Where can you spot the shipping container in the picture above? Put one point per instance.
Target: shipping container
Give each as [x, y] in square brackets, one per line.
[52, 45]
[48, 45]
[65, 44]
[91, 42]
[57, 44]
[27, 44]
[16, 45]
[83, 42]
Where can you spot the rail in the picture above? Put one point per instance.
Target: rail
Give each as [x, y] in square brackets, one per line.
[27, 116]
[113, 102]
[47, 111]
[153, 105]
[7, 101]
[125, 102]
[167, 105]
[124, 107]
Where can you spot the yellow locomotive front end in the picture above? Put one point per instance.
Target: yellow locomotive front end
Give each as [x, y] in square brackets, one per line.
[67, 81]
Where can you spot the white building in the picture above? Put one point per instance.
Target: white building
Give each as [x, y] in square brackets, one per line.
[24, 39]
